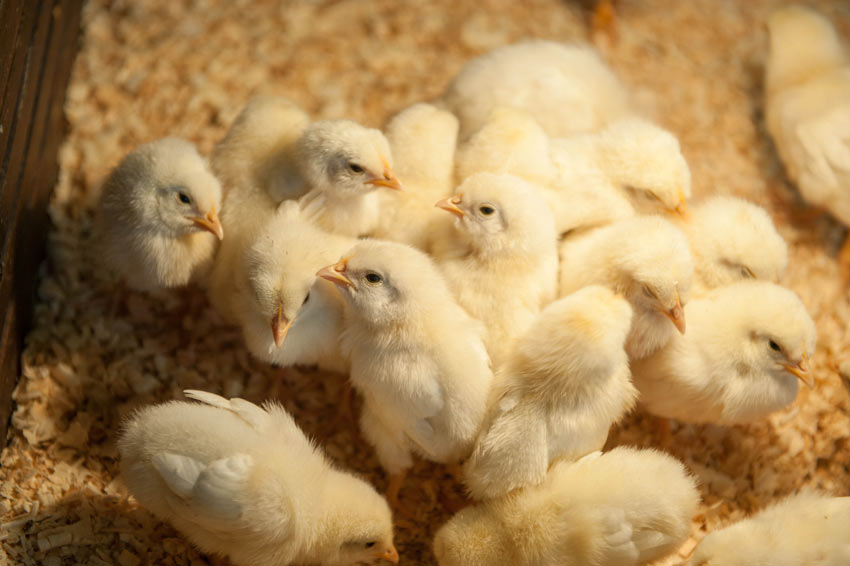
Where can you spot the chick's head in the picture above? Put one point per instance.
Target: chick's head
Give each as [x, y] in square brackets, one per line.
[733, 240]
[473, 537]
[344, 158]
[387, 282]
[360, 527]
[172, 187]
[647, 159]
[500, 214]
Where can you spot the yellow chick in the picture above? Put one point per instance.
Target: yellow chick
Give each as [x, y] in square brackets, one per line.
[501, 260]
[157, 223]
[567, 87]
[422, 139]
[807, 528]
[746, 347]
[416, 357]
[732, 240]
[565, 382]
[599, 511]
[643, 258]
[807, 108]
[244, 482]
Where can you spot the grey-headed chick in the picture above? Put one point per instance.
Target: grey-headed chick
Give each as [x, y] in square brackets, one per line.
[599, 511]
[244, 482]
[417, 357]
[644, 258]
[807, 528]
[157, 223]
[501, 260]
[565, 382]
[746, 347]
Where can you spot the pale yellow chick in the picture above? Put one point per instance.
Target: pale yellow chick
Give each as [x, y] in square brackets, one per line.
[244, 482]
[565, 382]
[622, 508]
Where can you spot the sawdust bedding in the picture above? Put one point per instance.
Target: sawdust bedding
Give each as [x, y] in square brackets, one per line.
[177, 67]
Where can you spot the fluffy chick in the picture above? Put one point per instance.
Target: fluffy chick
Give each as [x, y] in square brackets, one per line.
[416, 357]
[746, 347]
[568, 88]
[565, 382]
[244, 482]
[643, 258]
[806, 528]
[422, 139]
[621, 508]
[287, 315]
[501, 260]
[732, 240]
[807, 108]
[157, 223]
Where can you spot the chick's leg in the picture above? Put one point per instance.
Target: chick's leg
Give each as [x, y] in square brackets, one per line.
[604, 18]
[392, 450]
[844, 261]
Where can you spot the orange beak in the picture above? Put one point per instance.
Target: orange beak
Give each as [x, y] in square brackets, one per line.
[389, 180]
[390, 554]
[210, 223]
[451, 205]
[280, 326]
[336, 273]
[677, 316]
[682, 208]
[801, 371]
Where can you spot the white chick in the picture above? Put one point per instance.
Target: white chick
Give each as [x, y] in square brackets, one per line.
[746, 347]
[157, 223]
[567, 87]
[563, 385]
[287, 315]
[244, 482]
[643, 258]
[806, 528]
[621, 508]
[501, 260]
[732, 240]
[416, 357]
[422, 139]
[807, 108]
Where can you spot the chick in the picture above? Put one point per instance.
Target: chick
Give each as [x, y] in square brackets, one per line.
[501, 261]
[806, 528]
[287, 315]
[807, 108]
[732, 240]
[422, 139]
[157, 223]
[565, 382]
[567, 87]
[746, 347]
[621, 508]
[643, 258]
[244, 482]
[416, 357]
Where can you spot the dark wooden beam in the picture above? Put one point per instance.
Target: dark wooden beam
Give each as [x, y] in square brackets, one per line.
[38, 42]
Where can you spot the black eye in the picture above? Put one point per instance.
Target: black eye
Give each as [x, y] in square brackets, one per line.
[487, 210]
[184, 198]
[374, 278]
[747, 272]
[307, 298]
[355, 168]
[774, 346]
[370, 544]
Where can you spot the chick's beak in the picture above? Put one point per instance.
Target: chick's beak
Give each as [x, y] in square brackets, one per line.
[682, 208]
[677, 315]
[801, 371]
[280, 326]
[210, 223]
[390, 554]
[336, 273]
[451, 204]
[389, 180]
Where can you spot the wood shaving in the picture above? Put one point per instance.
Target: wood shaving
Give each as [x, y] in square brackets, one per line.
[185, 68]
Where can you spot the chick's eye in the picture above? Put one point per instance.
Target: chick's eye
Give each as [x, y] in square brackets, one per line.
[487, 210]
[648, 292]
[307, 298]
[747, 273]
[374, 278]
[184, 198]
[355, 168]
[774, 346]
[370, 544]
